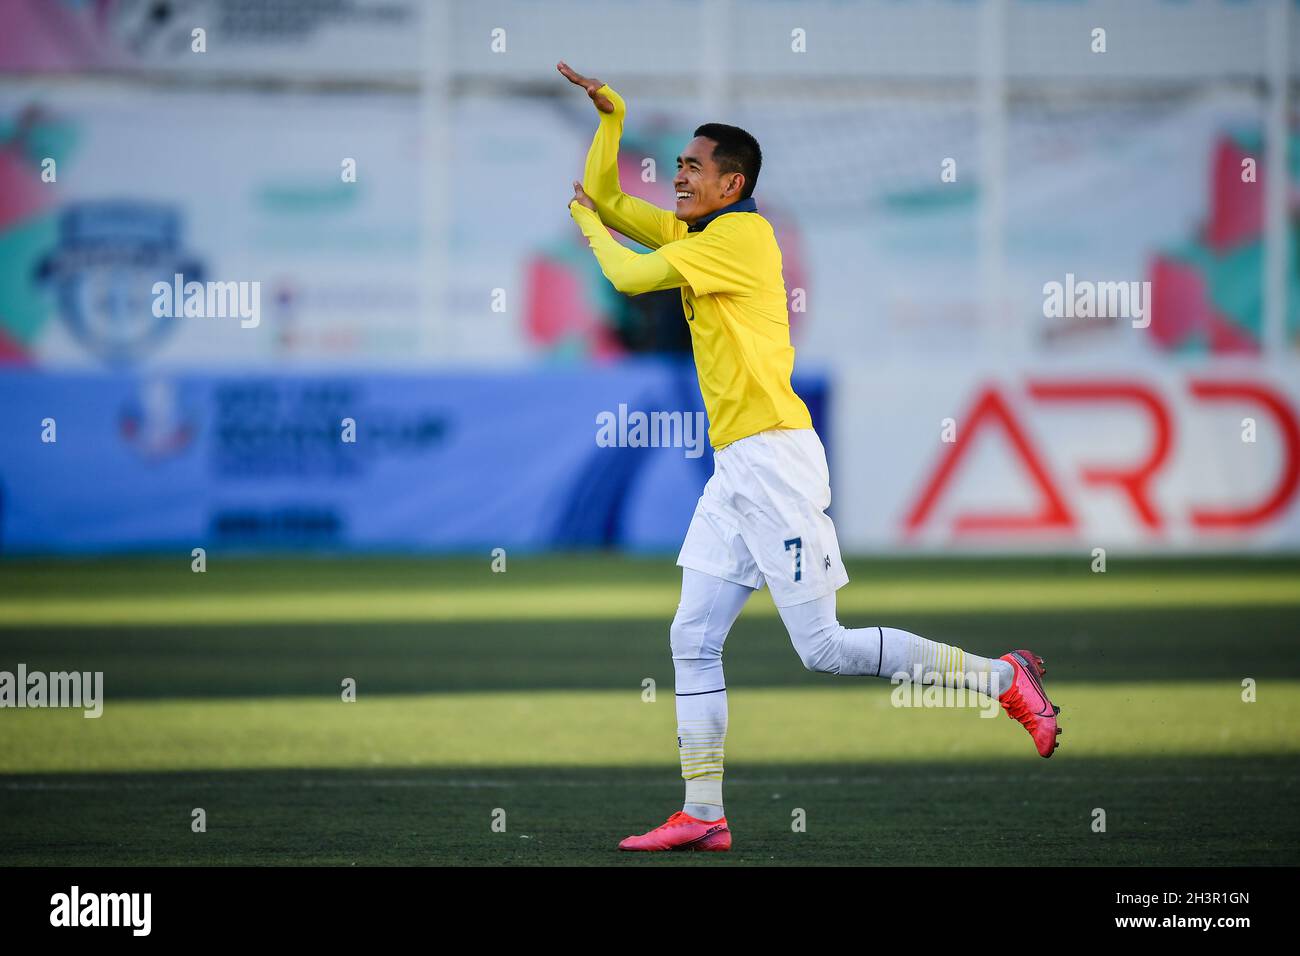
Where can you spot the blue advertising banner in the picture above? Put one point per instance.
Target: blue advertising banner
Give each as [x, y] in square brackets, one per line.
[579, 457]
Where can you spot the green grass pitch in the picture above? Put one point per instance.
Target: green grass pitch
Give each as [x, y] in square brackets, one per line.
[523, 692]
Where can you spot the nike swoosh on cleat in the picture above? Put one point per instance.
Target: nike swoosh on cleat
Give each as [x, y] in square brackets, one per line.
[703, 836]
[1033, 679]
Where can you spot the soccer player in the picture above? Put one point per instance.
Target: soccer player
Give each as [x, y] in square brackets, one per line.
[762, 517]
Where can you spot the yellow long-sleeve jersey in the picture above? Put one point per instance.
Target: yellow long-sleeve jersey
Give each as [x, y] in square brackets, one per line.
[733, 291]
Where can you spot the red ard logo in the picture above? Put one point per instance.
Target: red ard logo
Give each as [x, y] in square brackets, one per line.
[1133, 481]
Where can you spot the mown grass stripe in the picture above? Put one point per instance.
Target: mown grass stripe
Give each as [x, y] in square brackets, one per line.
[851, 722]
[632, 601]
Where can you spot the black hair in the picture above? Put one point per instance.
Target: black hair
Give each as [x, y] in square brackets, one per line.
[736, 152]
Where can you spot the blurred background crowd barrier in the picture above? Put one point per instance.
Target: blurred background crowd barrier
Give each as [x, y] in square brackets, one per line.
[930, 166]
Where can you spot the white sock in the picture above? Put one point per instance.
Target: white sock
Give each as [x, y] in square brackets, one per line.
[929, 662]
[708, 608]
[701, 734]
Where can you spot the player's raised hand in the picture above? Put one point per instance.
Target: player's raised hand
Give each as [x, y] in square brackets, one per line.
[588, 83]
[580, 196]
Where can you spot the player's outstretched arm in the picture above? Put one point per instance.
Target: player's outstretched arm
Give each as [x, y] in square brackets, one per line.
[637, 219]
[630, 272]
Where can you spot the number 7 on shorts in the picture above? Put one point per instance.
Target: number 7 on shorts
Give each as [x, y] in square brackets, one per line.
[797, 544]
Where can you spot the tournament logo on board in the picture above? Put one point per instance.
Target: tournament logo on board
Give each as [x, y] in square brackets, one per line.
[157, 421]
[102, 272]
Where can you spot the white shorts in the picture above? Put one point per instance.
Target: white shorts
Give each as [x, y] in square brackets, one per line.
[762, 517]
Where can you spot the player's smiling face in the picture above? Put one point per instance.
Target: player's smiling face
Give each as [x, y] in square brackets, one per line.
[700, 187]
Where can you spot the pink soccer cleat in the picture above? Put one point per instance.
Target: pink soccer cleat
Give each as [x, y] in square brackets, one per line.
[1026, 701]
[682, 832]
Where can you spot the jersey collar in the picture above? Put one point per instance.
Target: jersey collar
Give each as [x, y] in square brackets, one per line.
[740, 205]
